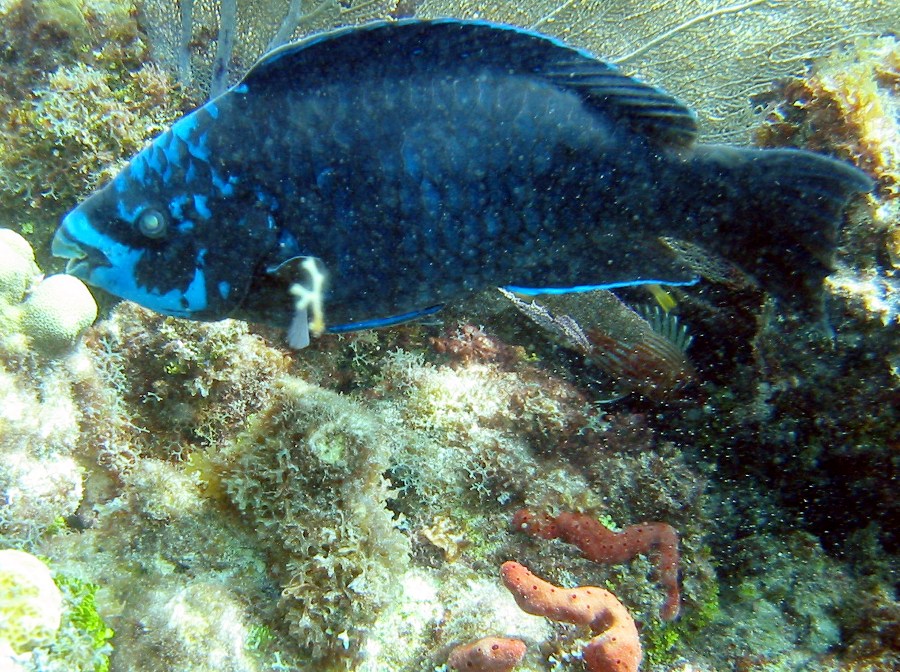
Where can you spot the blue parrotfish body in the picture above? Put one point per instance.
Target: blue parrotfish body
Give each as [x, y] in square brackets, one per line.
[415, 162]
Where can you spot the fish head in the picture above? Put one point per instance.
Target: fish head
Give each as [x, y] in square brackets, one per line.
[173, 243]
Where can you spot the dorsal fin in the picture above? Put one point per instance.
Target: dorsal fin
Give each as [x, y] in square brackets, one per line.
[412, 45]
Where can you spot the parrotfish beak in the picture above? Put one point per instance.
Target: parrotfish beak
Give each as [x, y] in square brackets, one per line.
[81, 257]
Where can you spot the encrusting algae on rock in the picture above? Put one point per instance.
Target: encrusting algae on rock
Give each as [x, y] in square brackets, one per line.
[77, 96]
[845, 105]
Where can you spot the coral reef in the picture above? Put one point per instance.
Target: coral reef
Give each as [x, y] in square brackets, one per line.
[57, 312]
[843, 105]
[846, 104]
[207, 500]
[38, 36]
[190, 393]
[285, 482]
[295, 463]
[48, 621]
[90, 119]
[17, 264]
[38, 492]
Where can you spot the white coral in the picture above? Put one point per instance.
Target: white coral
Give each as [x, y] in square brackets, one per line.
[57, 312]
[17, 267]
[30, 603]
[37, 492]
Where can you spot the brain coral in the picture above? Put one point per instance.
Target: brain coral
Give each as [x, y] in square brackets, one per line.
[56, 310]
[56, 313]
[17, 267]
[30, 603]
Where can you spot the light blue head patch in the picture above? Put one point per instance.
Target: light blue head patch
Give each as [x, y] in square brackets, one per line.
[119, 277]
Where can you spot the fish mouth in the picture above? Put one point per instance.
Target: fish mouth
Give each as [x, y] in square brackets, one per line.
[81, 258]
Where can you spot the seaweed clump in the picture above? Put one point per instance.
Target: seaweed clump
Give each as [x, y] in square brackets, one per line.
[846, 106]
[77, 98]
[78, 128]
[308, 472]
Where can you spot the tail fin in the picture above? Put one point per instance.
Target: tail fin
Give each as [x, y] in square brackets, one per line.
[776, 213]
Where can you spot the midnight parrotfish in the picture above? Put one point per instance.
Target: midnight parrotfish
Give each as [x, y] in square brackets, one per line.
[369, 175]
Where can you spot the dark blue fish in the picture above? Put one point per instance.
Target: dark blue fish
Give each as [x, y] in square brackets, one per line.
[416, 162]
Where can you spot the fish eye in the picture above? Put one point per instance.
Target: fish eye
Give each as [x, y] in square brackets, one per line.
[152, 223]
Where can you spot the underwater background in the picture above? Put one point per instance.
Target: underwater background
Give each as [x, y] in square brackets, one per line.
[201, 497]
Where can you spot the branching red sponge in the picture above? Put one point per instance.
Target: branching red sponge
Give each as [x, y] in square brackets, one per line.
[489, 654]
[600, 544]
[615, 647]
